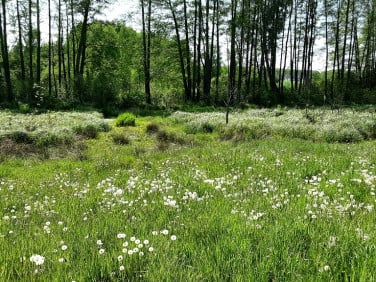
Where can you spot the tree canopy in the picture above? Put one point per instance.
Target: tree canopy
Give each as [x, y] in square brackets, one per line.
[217, 52]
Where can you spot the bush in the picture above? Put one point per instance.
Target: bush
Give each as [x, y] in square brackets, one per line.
[126, 119]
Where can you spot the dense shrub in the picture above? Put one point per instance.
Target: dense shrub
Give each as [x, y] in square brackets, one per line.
[126, 119]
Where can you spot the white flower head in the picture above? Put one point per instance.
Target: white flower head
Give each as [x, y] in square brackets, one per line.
[37, 259]
[121, 236]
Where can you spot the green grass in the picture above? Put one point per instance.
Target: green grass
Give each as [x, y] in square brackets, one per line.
[272, 208]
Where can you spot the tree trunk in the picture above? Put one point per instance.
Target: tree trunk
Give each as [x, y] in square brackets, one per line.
[4, 52]
[20, 43]
[38, 67]
[146, 47]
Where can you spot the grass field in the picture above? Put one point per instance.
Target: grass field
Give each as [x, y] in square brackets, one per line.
[187, 198]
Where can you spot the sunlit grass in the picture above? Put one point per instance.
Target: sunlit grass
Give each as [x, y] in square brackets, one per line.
[269, 209]
[346, 125]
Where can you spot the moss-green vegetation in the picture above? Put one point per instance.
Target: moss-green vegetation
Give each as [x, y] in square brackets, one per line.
[186, 205]
[126, 119]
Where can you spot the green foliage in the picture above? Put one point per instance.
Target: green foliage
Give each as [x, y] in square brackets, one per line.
[24, 108]
[126, 119]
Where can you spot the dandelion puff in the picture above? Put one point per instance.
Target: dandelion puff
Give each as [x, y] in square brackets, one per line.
[121, 236]
[99, 242]
[137, 241]
[101, 251]
[125, 244]
[121, 267]
[173, 238]
[133, 239]
[120, 258]
[164, 232]
[146, 242]
[151, 249]
[125, 250]
[37, 259]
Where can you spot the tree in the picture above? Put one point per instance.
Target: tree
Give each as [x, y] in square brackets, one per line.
[4, 51]
[146, 43]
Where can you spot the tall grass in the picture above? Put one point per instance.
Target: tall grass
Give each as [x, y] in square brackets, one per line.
[274, 209]
[316, 124]
[50, 129]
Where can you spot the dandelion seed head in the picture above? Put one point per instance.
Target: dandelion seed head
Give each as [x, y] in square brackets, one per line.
[121, 236]
[37, 259]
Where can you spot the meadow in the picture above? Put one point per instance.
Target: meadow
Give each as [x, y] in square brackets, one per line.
[275, 195]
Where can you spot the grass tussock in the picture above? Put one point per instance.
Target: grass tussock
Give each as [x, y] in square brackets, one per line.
[53, 132]
[152, 128]
[318, 125]
[119, 138]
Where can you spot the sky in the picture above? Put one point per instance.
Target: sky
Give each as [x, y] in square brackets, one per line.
[120, 10]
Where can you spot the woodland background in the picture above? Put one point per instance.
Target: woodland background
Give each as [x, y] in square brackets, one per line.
[219, 52]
